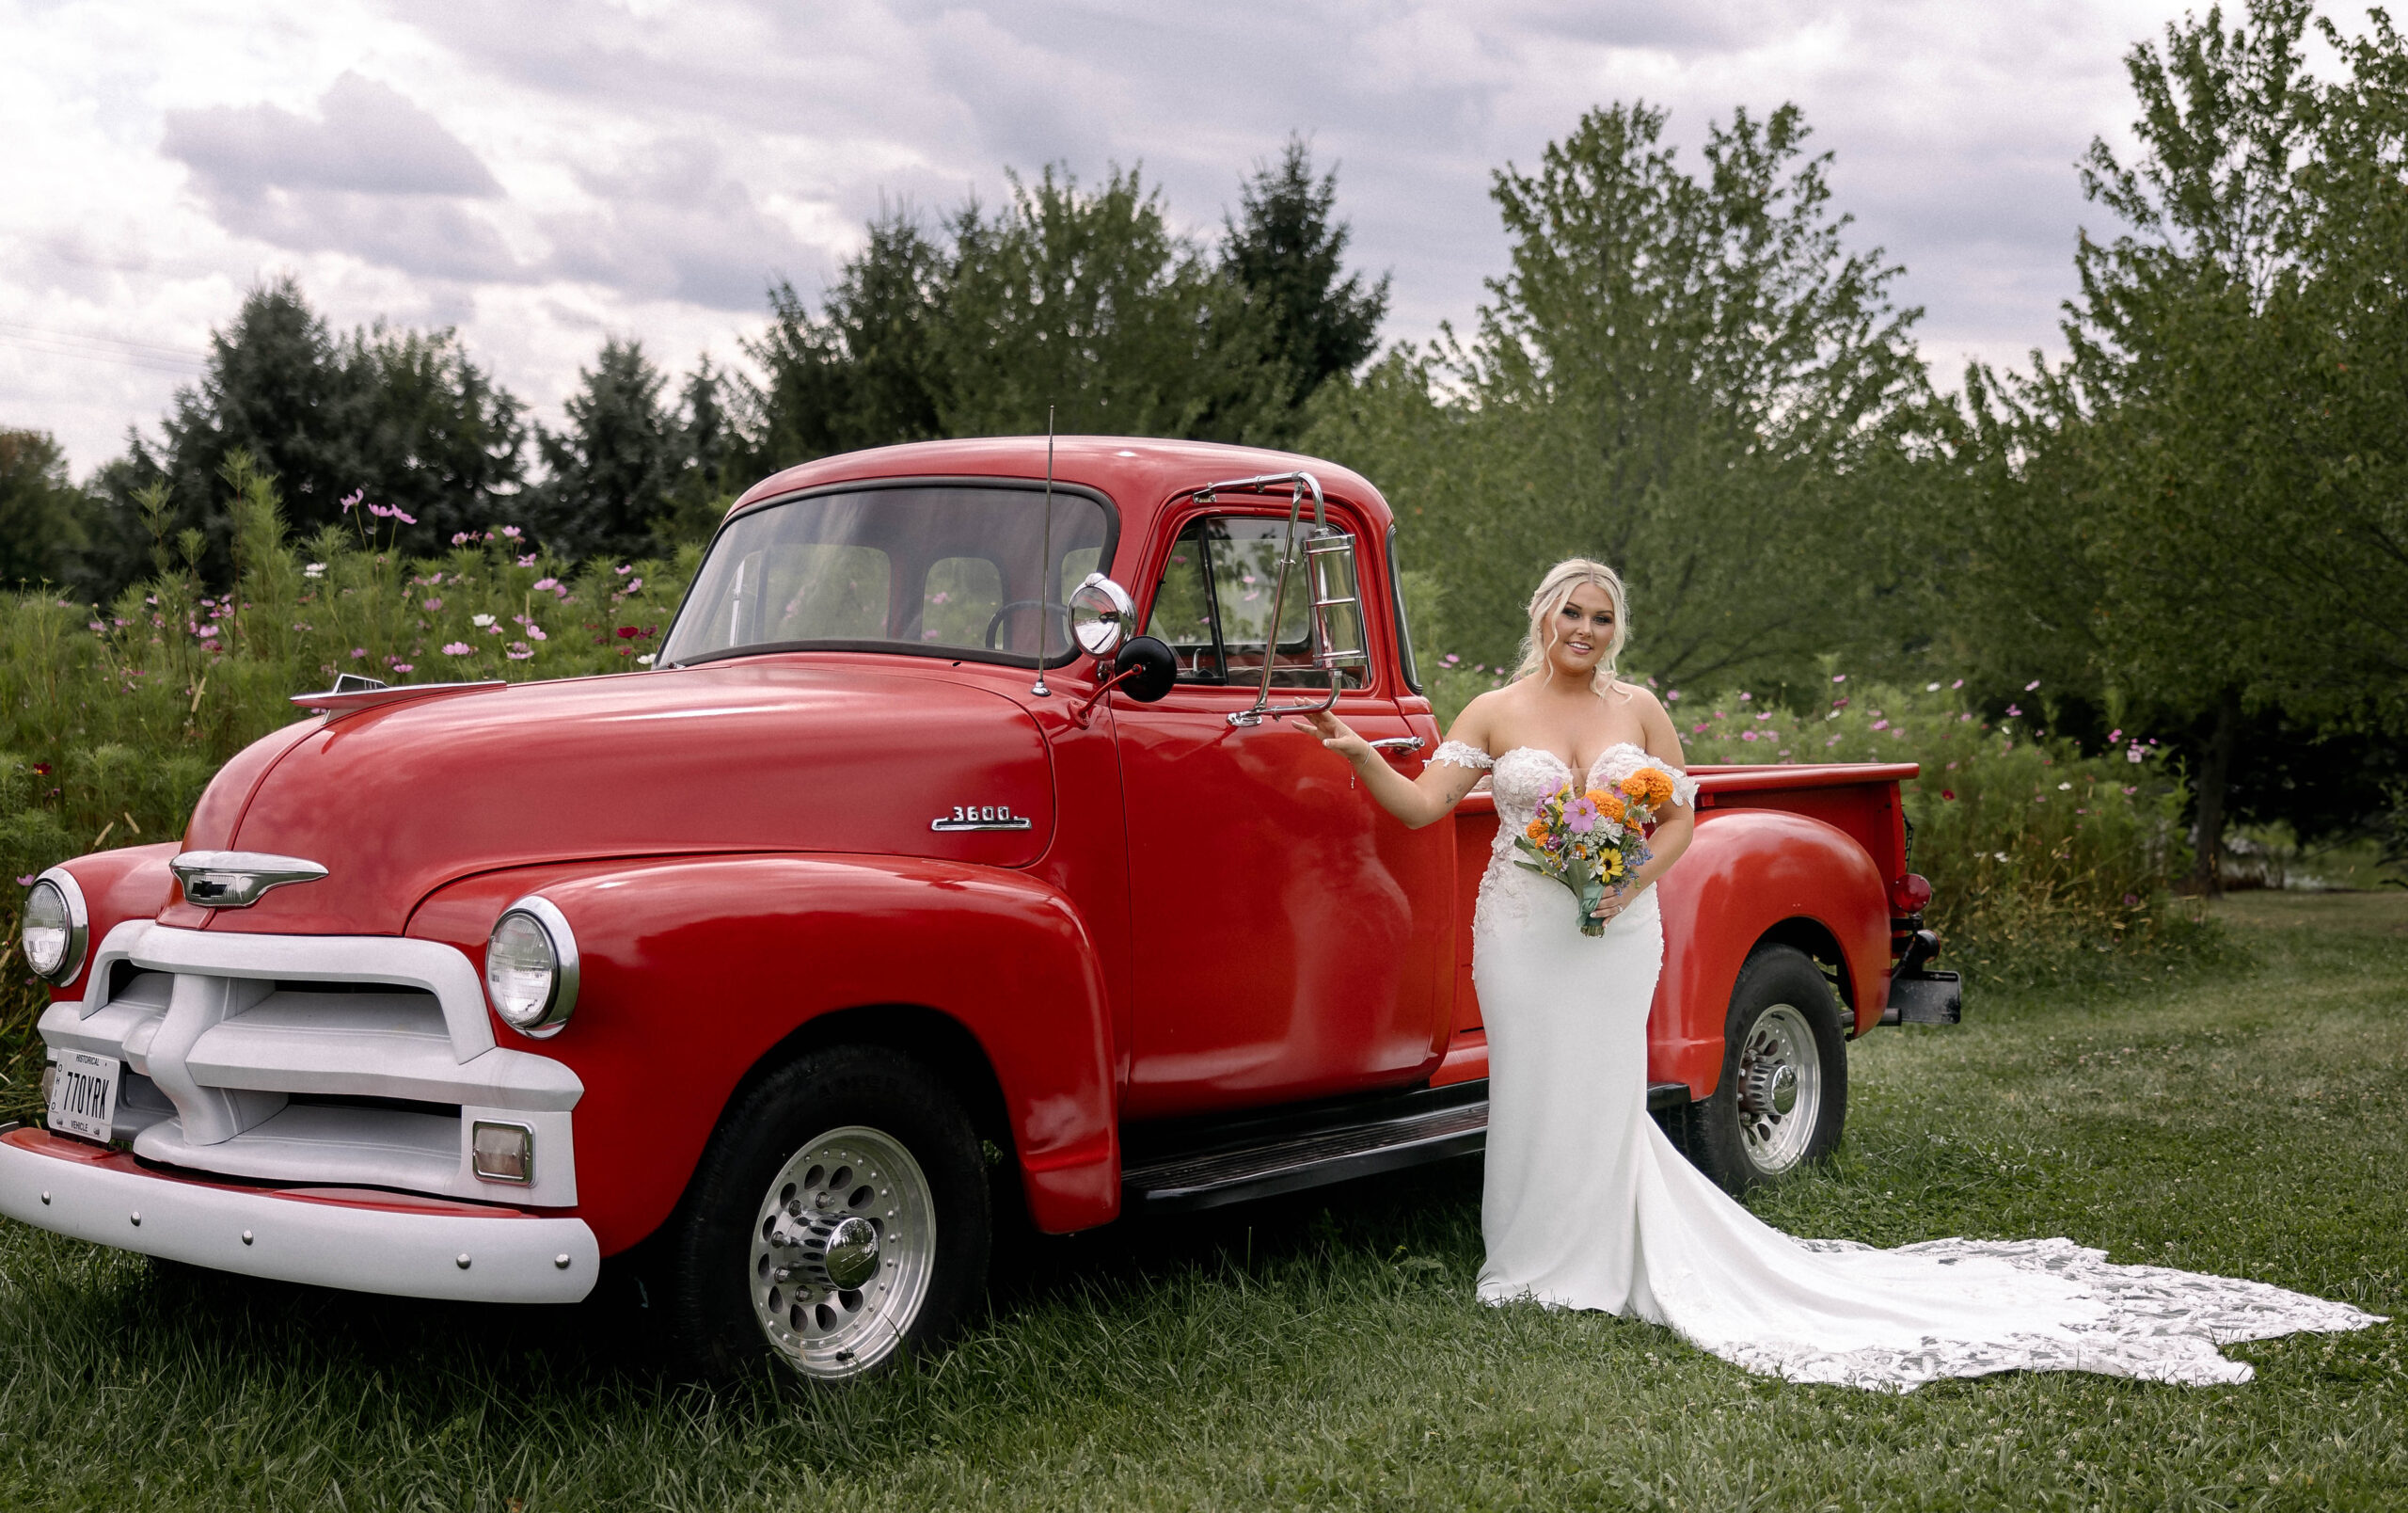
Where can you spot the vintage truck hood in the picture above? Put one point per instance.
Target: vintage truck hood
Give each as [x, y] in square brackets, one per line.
[763, 754]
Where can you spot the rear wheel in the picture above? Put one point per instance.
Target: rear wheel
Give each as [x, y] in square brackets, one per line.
[839, 1220]
[1782, 1098]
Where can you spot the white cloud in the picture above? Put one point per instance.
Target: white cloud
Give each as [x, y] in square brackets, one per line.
[539, 174]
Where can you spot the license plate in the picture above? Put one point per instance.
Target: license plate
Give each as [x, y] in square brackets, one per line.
[83, 1100]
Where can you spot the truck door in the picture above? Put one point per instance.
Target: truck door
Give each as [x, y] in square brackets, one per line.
[1290, 937]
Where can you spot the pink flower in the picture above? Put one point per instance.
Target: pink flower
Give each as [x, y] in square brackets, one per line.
[1880, 725]
[535, 632]
[510, 533]
[1580, 816]
[1767, 714]
[1834, 742]
[1673, 696]
[1746, 735]
[1838, 678]
[357, 652]
[2130, 791]
[519, 651]
[2131, 900]
[1948, 794]
[2115, 735]
[351, 500]
[622, 569]
[1699, 728]
[433, 605]
[542, 584]
[404, 667]
[635, 585]
[1746, 697]
[528, 561]
[1959, 684]
[2014, 708]
[1966, 718]
[1448, 660]
[27, 881]
[457, 648]
[2135, 754]
[939, 596]
[461, 538]
[2029, 687]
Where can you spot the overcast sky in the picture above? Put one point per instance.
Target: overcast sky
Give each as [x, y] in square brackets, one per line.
[539, 174]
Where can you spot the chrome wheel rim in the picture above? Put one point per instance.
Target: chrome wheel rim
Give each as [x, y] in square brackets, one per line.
[1780, 1089]
[843, 1250]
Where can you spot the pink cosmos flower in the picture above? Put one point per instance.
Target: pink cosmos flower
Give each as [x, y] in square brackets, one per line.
[2114, 736]
[542, 584]
[357, 652]
[1746, 697]
[1959, 684]
[519, 651]
[433, 605]
[1580, 816]
[2014, 708]
[535, 632]
[457, 648]
[2029, 687]
[2135, 754]
[351, 500]
[528, 561]
[1448, 660]
[1746, 735]
[1880, 725]
[1838, 678]
[510, 533]
[27, 881]
[404, 667]
[622, 569]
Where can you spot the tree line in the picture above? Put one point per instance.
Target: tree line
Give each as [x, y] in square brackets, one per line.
[2194, 524]
[1081, 299]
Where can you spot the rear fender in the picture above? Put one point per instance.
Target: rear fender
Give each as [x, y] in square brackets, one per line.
[694, 971]
[1749, 874]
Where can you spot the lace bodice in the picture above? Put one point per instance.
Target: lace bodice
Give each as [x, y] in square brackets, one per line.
[1522, 778]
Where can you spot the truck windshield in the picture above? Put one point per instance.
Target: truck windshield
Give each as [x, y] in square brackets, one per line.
[946, 570]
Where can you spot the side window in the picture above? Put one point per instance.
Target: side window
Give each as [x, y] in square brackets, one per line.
[1212, 606]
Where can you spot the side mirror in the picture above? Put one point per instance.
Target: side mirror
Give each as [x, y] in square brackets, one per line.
[1102, 616]
[1155, 669]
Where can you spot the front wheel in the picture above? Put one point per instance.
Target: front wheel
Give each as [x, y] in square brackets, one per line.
[840, 1220]
[1782, 1098]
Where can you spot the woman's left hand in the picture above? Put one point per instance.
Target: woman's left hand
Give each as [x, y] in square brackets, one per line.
[1618, 898]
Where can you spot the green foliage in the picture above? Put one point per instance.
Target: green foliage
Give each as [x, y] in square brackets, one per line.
[1684, 375]
[326, 416]
[2033, 848]
[1087, 302]
[1288, 255]
[46, 522]
[610, 474]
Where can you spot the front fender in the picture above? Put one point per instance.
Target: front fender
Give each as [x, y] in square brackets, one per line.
[694, 969]
[130, 883]
[1747, 872]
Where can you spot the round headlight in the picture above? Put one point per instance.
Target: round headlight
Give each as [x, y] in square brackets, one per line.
[55, 929]
[531, 967]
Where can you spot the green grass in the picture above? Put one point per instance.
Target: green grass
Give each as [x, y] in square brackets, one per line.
[2238, 1113]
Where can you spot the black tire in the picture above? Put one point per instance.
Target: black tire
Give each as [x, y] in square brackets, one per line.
[846, 1138]
[1782, 1018]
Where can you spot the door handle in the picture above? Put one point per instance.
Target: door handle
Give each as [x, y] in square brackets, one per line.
[1398, 745]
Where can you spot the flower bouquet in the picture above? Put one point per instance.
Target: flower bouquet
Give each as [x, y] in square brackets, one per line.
[1590, 841]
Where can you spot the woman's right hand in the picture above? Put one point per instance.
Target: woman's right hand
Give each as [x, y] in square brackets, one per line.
[1336, 735]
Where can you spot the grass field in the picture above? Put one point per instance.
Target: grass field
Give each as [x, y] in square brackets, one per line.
[2242, 1113]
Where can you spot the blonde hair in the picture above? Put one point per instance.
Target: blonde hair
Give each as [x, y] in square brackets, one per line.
[1554, 590]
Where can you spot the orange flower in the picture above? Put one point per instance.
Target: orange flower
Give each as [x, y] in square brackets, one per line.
[1635, 784]
[1536, 830]
[1659, 785]
[1606, 803]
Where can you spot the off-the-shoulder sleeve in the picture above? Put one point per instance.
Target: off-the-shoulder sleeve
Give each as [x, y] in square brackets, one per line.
[1463, 756]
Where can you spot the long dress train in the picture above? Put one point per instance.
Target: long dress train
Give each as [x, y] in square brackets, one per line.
[1587, 1204]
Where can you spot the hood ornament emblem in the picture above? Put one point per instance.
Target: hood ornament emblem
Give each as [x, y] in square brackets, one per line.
[237, 880]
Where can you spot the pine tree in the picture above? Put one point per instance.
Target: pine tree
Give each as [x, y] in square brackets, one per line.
[1287, 254]
[610, 472]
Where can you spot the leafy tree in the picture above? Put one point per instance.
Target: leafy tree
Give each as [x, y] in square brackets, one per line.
[46, 522]
[610, 473]
[1687, 376]
[403, 414]
[2219, 465]
[1287, 254]
[862, 372]
[1088, 303]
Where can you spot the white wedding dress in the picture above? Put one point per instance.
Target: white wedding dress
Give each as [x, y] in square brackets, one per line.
[1587, 1204]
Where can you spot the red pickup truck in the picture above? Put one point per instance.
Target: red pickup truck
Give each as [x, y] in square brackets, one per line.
[931, 880]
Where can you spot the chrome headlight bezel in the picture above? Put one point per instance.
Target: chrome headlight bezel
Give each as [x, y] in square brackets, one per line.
[79, 925]
[539, 1021]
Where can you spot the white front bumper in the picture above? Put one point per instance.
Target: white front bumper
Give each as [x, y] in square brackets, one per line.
[353, 1238]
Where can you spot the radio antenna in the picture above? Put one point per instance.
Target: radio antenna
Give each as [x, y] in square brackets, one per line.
[1045, 565]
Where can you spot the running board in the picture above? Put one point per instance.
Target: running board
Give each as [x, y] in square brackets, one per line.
[1355, 1140]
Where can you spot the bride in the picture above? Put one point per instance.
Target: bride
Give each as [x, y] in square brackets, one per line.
[1587, 1204]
